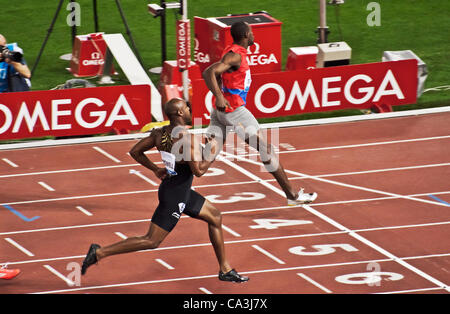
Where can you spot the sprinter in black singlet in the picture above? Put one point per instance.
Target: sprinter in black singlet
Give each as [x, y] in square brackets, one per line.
[183, 157]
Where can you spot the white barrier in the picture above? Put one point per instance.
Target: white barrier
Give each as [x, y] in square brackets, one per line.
[133, 70]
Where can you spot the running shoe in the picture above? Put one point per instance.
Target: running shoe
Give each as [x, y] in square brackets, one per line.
[232, 276]
[8, 273]
[303, 198]
[90, 259]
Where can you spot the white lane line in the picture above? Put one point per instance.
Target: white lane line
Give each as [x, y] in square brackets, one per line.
[205, 290]
[79, 197]
[46, 186]
[276, 190]
[426, 256]
[9, 162]
[360, 145]
[281, 152]
[17, 245]
[276, 259]
[106, 154]
[334, 223]
[110, 194]
[149, 152]
[159, 162]
[374, 246]
[79, 226]
[410, 291]
[430, 224]
[400, 261]
[140, 175]
[315, 283]
[121, 235]
[229, 230]
[208, 276]
[69, 282]
[164, 264]
[84, 211]
[369, 189]
[246, 211]
[66, 171]
[226, 242]
[248, 173]
[381, 170]
[295, 268]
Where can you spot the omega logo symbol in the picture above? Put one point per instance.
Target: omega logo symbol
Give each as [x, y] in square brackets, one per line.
[95, 55]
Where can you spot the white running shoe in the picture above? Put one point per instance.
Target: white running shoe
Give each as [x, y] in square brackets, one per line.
[303, 198]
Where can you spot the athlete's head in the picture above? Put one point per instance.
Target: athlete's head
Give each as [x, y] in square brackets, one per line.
[176, 109]
[242, 31]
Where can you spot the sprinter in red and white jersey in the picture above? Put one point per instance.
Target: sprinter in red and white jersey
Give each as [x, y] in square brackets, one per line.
[229, 81]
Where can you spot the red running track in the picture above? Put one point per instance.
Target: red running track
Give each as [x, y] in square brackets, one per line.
[381, 223]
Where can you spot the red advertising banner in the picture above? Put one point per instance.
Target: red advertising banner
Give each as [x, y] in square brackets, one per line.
[323, 89]
[183, 44]
[79, 111]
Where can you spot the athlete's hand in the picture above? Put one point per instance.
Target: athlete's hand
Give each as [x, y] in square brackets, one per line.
[161, 173]
[222, 103]
[211, 148]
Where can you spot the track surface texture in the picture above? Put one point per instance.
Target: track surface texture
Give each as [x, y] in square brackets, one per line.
[381, 223]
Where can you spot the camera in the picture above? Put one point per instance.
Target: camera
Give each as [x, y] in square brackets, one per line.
[155, 9]
[5, 53]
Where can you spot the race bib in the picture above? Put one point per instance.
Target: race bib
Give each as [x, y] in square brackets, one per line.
[169, 162]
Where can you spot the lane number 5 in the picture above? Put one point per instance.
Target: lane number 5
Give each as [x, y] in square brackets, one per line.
[321, 249]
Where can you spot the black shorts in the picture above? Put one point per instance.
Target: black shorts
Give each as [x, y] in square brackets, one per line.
[176, 197]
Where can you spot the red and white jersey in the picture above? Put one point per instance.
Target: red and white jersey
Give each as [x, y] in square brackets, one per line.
[235, 85]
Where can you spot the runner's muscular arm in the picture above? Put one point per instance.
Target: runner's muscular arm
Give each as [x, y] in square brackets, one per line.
[212, 75]
[137, 152]
[201, 158]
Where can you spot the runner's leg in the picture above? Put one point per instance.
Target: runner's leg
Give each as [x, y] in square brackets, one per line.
[247, 127]
[271, 163]
[151, 240]
[213, 217]
[217, 129]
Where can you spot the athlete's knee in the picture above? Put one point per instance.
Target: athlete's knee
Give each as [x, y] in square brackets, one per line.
[150, 243]
[265, 149]
[269, 159]
[268, 150]
[217, 218]
[215, 215]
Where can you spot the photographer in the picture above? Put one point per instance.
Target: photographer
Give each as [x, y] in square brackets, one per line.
[14, 72]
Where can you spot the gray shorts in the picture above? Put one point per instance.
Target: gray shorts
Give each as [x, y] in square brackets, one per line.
[240, 121]
[244, 124]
